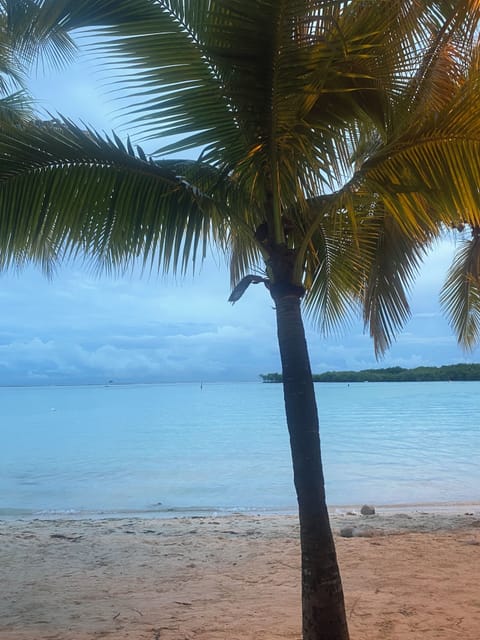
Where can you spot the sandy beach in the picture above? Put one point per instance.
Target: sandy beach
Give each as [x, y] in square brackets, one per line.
[406, 575]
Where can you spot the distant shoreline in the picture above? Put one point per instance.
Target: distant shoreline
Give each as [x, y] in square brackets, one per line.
[446, 373]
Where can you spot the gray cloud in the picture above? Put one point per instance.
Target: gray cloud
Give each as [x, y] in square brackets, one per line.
[81, 329]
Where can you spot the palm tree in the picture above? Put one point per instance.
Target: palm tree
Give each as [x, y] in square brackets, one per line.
[338, 140]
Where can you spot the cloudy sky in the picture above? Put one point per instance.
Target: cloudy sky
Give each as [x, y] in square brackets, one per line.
[81, 328]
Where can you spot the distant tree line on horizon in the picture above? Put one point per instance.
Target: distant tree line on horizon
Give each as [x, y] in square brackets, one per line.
[393, 374]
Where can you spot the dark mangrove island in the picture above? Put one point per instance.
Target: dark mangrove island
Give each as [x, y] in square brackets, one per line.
[393, 374]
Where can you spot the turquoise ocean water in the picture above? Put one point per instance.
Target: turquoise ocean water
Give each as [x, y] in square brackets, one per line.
[182, 449]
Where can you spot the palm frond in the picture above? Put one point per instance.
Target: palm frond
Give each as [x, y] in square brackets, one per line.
[332, 266]
[74, 191]
[431, 169]
[244, 255]
[243, 285]
[15, 108]
[358, 256]
[158, 54]
[391, 260]
[460, 295]
[33, 34]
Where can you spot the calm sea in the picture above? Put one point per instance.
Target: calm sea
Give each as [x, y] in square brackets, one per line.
[179, 448]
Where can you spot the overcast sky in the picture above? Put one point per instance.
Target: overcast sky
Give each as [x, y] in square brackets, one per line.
[79, 328]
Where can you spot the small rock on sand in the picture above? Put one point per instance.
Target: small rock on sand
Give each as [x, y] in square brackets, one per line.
[359, 532]
[367, 510]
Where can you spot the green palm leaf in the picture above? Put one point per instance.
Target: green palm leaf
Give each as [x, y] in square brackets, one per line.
[75, 191]
[159, 51]
[35, 33]
[15, 108]
[460, 296]
[390, 267]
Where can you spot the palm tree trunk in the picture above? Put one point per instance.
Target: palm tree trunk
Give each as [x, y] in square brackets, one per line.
[322, 595]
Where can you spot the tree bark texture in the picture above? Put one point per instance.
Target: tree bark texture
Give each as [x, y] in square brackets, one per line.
[323, 605]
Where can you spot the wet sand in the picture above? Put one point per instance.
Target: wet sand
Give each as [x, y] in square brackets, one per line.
[412, 575]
